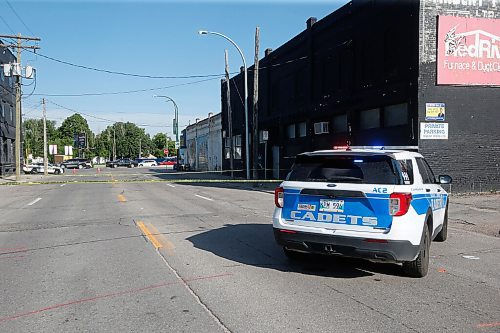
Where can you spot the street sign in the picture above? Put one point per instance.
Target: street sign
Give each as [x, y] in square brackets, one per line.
[80, 140]
[165, 151]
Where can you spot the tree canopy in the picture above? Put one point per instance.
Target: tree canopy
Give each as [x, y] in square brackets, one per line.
[128, 139]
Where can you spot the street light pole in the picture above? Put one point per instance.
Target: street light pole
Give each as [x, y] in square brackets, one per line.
[247, 143]
[176, 117]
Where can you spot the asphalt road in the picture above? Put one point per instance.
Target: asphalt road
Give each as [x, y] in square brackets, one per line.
[122, 256]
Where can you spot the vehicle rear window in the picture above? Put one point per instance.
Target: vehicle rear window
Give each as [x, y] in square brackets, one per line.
[379, 169]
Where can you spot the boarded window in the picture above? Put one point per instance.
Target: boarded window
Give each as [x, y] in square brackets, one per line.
[340, 123]
[302, 129]
[291, 131]
[369, 119]
[396, 115]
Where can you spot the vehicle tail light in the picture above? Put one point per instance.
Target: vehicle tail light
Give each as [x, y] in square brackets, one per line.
[399, 203]
[279, 197]
[286, 231]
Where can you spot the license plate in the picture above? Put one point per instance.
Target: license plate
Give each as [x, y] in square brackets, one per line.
[332, 206]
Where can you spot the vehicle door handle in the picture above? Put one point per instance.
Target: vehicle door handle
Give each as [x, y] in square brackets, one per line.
[427, 190]
[439, 190]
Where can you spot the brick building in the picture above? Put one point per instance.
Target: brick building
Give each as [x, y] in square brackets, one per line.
[7, 115]
[369, 74]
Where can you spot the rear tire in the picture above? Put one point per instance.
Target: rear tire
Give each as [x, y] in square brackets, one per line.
[114, 165]
[443, 234]
[57, 172]
[419, 267]
[80, 166]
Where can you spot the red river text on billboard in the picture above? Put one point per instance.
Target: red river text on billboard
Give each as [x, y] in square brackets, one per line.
[468, 51]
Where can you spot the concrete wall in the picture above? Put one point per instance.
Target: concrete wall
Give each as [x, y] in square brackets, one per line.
[471, 155]
[204, 144]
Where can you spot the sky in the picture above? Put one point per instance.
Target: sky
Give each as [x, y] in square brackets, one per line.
[153, 38]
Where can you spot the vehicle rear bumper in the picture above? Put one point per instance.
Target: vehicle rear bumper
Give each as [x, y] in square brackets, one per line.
[387, 251]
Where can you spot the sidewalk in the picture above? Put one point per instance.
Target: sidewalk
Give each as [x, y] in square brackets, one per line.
[477, 212]
[25, 178]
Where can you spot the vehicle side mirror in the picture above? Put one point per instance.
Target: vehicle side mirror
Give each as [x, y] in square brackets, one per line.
[444, 179]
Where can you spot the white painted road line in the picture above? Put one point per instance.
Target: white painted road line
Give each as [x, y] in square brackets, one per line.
[34, 201]
[199, 196]
[170, 185]
[63, 185]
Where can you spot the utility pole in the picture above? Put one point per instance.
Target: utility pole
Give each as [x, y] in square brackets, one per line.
[114, 143]
[229, 117]
[256, 107]
[19, 47]
[45, 162]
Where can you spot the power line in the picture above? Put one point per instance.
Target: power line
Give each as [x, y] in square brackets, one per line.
[128, 91]
[19, 17]
[104, 119]
[160, 88]
[158, 77]
[127, 74]
[8, 26]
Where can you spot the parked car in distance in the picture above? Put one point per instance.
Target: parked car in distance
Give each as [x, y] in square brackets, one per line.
[78, 163]
[51, 168]
[147, 163]
[126, 162]
[27, 168]
[170, 162]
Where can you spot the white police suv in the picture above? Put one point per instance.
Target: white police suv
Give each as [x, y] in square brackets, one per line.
[381, 205]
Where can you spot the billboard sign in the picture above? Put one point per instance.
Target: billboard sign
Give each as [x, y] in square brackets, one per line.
[468, 51]
[80, 140]
[435, 111]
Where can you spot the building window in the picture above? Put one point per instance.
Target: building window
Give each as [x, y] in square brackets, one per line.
[340, 123]
[227, 148]
[321, 127]
[302, 129]
[369, 119]
[2, 110]
[396, 115]
[237, 147]
[291, 131]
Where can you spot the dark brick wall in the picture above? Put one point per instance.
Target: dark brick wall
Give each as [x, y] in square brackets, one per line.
[360, 57]
[471, 155]
[7, 123]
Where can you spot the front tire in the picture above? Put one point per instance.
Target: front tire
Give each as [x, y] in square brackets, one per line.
[419, 267]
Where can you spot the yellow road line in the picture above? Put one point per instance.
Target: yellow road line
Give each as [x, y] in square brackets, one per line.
[122, 198]
[148, 235]
[168, 245]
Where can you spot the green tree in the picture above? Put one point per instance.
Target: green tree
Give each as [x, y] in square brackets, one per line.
[160, 142]
[72, 125]
[129, 139]
[33, 136]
